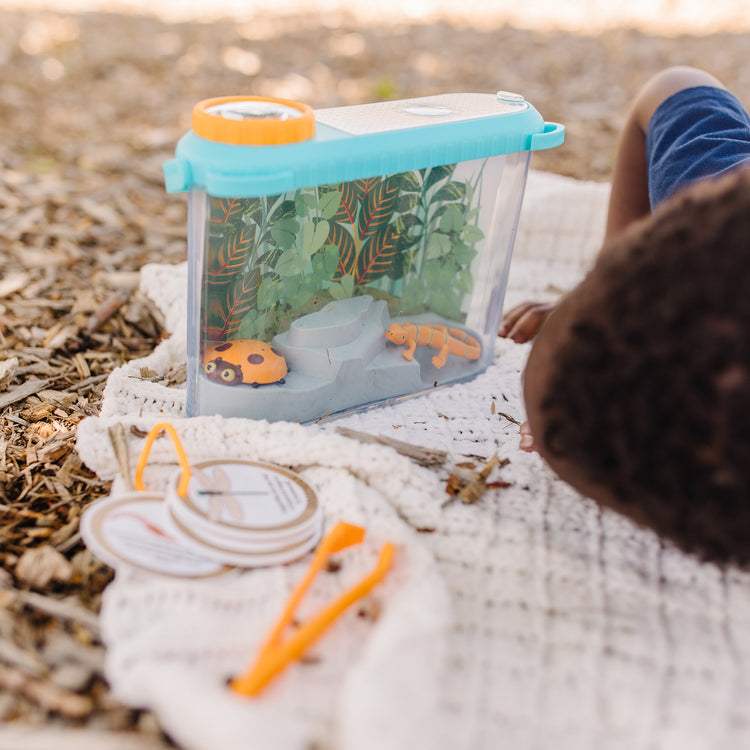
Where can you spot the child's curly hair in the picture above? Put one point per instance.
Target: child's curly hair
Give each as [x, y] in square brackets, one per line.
[650, 392]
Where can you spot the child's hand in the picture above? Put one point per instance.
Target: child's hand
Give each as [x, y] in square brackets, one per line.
[522, 322]
[527, 439]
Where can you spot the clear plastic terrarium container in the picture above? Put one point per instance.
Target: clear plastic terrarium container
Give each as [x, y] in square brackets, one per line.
[350, 256]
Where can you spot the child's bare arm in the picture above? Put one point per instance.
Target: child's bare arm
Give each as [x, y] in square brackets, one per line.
[629, 198]
[522, 322]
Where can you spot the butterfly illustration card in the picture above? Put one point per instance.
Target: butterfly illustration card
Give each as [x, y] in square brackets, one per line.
[245, 513]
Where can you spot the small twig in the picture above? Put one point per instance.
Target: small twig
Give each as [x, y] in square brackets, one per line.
[106, 310]
[88, 381]
[69, 543]
[508, 417]
[120, 447]
[423, 456]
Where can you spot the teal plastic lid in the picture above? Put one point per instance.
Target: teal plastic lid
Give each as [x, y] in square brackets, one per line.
[351, 143]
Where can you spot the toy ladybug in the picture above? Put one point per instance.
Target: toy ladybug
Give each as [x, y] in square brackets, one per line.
[244, 361]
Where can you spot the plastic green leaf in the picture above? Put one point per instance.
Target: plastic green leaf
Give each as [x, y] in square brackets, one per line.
[452, 219]
[228, 255]
[451, 191]
[378, 207]
[306, 290]
[463, 253]
[224, 209]
[447, 303]
[292, 286]
[268, 294]
[241, 297]
[413, 295]
[342, 289]
[284, 211]
[341, 237]
[251, 324]
[329, 204]
[407, 202]
[464, 281]
[439, 245]
[303, 202]
[282, 238]
[472, 234]
[377, 255]
[291, 262]
[348, 283]
[313, 236]
[331, 259]
[436, 174]
[411, 182]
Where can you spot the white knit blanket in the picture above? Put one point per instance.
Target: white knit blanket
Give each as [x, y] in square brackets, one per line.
[532, 619]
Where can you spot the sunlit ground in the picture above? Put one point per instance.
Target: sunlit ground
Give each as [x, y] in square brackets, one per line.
[663, 16]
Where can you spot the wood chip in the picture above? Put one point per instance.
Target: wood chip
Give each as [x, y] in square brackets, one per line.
[13, 282]
[7, 370]
[37, 412]
[61, 399]
[39, 566]
[47, 695]
[63, 609]
[29, 388]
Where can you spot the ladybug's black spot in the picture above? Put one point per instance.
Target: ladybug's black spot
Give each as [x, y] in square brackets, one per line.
[223, 347]
[275, 351]
[255, 359]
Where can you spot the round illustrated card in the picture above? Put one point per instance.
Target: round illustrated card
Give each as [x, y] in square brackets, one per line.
[240, 541]
[256, 498]
[248, 555]
[131, 529]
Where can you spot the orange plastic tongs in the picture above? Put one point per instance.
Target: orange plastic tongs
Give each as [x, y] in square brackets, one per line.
[276, 655]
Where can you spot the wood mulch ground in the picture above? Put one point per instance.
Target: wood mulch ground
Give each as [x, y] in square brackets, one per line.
[90, 106]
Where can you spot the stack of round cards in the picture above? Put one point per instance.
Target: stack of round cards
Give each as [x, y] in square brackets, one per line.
[130, 529]
[244, 513]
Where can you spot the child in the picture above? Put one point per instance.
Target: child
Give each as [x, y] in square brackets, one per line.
[637, 388]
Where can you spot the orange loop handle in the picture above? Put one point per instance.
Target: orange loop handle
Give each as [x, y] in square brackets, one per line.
[154, 433]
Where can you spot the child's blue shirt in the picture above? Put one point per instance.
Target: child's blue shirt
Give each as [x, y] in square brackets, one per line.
[699, 132]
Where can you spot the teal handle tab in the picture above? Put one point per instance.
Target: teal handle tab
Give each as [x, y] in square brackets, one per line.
[177, 175]
[552, 135]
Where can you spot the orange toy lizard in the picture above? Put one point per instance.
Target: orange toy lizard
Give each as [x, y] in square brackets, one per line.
[446, 340]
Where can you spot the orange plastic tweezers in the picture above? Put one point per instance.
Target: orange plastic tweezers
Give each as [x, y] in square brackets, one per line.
[275, 655]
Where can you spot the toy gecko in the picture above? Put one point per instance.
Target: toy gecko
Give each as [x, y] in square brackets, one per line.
[446, 340]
